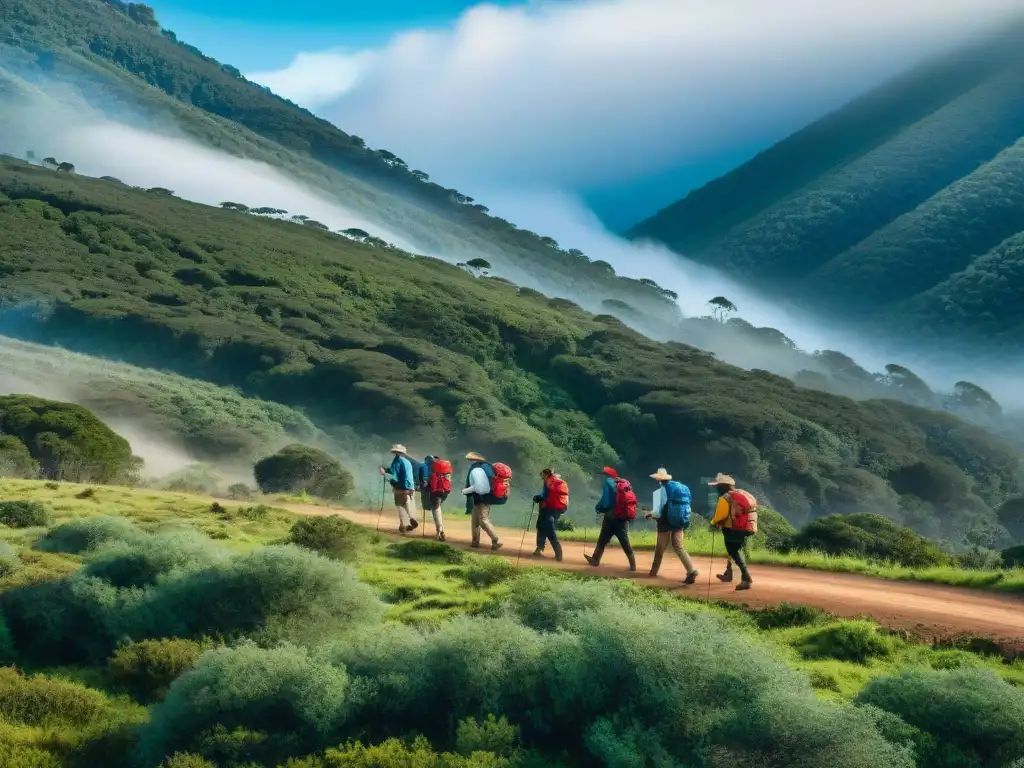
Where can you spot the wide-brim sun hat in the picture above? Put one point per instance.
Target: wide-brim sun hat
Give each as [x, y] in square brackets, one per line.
[661, 474]
[474, 456]
[398, 448]
[721, 479]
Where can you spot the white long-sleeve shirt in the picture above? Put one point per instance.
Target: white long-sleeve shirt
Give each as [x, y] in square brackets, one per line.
[658, 502]
[478, 482]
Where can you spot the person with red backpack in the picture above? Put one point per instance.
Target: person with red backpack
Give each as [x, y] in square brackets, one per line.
[553, 501]
[435, 486]
[618, 505]
[486, 485]
[736, 516]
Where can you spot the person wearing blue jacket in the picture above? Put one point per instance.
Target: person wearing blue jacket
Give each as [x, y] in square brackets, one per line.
[402, 477]
[671, 508]
[423, 483]
[610, 524]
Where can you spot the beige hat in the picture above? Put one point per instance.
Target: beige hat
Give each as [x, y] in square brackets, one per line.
[721, 479]
[661, 474]
[398, 448]
[474, 456]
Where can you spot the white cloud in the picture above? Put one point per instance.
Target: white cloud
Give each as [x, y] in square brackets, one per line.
[569, 94]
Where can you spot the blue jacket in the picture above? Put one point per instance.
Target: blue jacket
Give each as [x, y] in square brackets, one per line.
[401, 474]
[607, 502]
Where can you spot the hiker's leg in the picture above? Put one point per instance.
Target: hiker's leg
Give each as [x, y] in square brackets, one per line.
[622, 534]
[734, 546]
[485, 522]
[542, 533]
[410, 508]
[659, 552]
[401, 504]
[680, 550]
[435, 512]
[553, 537]
[475, 525]
[603, 537]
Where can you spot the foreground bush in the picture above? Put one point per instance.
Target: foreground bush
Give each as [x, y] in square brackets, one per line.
[397, 754]
[23, 514]
[332, 536]
[144, 560]
[296, 468]
[9, 560]
[426, 549]
[857, 641]
[43, 701]
[570, 666]
[971, 717]
[67, 440]
[146, 669]
[870, 536]
[86, 534]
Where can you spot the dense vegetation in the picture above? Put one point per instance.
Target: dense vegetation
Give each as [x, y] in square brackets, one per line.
[306, 317]
[302, 469]
[906, 199]
[157, 671]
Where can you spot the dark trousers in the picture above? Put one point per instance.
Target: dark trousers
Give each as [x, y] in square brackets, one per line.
[734, 541]
[613, 526]
[546, 531]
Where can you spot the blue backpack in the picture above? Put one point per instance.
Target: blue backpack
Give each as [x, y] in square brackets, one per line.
[678, 508]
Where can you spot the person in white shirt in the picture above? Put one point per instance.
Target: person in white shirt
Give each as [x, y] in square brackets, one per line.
[478, 486]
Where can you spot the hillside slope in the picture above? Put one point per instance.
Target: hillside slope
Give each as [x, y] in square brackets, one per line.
[421, 351]
[887, 198]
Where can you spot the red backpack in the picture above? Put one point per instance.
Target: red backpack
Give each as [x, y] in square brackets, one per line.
[742, 511]
[500, 483]
[557, 499]
[625, 500]
[440, 482]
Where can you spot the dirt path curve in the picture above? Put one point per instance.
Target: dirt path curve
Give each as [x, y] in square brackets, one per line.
[927, 610]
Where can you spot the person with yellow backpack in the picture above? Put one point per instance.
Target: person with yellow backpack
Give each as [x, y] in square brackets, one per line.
[553, 501]
[736, 516]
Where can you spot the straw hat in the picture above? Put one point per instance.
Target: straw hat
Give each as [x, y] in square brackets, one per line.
[474, 456]
[721, 479]
[661, 474]
[398, 448]
[610, 472]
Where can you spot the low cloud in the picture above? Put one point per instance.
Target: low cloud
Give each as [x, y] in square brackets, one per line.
[579, 93]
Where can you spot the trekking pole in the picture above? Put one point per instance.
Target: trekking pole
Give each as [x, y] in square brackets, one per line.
[383, 485]
[525, 530]
[711, 565]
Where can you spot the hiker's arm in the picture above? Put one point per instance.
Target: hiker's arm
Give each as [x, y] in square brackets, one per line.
[721, 512]
[478, 483]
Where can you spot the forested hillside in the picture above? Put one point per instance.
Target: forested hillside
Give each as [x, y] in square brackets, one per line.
[880, 208]
[419, 350]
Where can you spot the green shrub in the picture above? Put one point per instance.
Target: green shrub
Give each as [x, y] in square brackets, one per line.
[867, 535]
[187, 760]
[142, 561]
[426, 549]
[1013, 557]
[785, 615]
[297, 468]
[87, 534]
[487, 571]
[979, 559]
[199, 479]
[495, 735]
[23, 514]
[14, 755]
[565, 523]
[774, 530]
[7, 652]
[146, 669]
[857, 641]
[973, 716]
[9, 560]
[397, 754]
[67, 440]
[15, 459]
[332, 536]
[44, 701]
[255, 513]
[240, 492]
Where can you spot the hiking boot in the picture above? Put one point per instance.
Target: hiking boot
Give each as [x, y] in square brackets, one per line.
[495, 546]
[724, 577]
[402, 529]
[653, 574]
[538, 553]
[591, 561]
[558, 558]
[475, 545]
[743, 585]
[413, 525]
[691, 577]
[440, 536]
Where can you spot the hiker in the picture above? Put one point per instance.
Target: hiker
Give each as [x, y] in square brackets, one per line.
[403, 482]
[484, 488]
[736, 516]
[552, 501]
[423, 472]
[618, 505]
[671, 509]
[437, 486]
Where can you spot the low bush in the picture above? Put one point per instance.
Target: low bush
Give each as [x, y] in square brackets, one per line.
[296, 468]
[487, 571]
[23, 514]
[565, 523]
[980, 559]
[240, 492]
[973, 717]
[426, 549]
[870, 536]
[43, 701]
[14, 755]
[857, 641]
[401, 754]
[9, 560]
[1013, 557]
[146, 669]
[255, 513]
[785, 615]
[332, 536]
[495, 735]
[142, 561]
[187, 760]
[87, 534]
[774, 530]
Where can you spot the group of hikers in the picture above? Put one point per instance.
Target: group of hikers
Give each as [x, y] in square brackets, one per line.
[487, 485]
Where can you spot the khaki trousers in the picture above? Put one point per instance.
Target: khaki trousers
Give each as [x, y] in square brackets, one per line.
[406, 507]
[675, 538]
[482, 520]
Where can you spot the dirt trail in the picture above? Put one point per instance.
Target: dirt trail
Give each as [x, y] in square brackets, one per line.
[927, 610]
